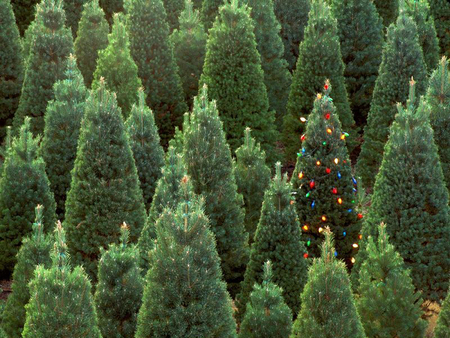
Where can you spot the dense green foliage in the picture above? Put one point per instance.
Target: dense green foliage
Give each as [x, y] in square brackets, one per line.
[62, 127]
[44, 68]
[11, 71]
[442, 329]
[35, 250]
[208, 160]
[24, 12]
[267, 315]
[388, 10]
[440, 9]
[104, 191]
[402, 59]
[153, 53]
[193, 301]
[320, 59]
[252, 179]
[277, 239]
[110, 7]
[73, 9]
[328, 308]
[118, 294]
[23, 185]
[91, 38]
[173, 10]
[236, 80]
[209, 12]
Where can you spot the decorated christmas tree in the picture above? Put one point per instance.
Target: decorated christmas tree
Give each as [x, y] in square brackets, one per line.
[92, 37]
[43, 69]
[184, 294]
[320, 59]
[35, 250]
[442, 329]
[391, 87]
[387, 303]
[208, 159]
[440, 10]
[105, 190]
[62, 128]
[252, 179]
[328, 308]
[323, 183]
[267, 315]
[278, 239]
[61, 304]
[23, 185]
[118, 294]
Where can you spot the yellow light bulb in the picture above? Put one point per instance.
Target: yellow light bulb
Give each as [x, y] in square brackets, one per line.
[318, 163]
[302, 119]
[355, 245]
[329, 131]
[300, 175]
[320, 229]
[324, 218]
[336, 160]
[340, 200]
[342, 137]
[305, 227]
[353, 260]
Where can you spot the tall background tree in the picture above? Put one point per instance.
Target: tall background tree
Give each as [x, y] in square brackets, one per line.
[388, 10]
[24, 12]
[440, 10]
[73, 9]
[442, 329]
[110, 7]
[209, 12]
[173, 10]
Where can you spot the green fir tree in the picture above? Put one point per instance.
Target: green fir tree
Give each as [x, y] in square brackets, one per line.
[209, 12]
[110, 7]
[442, 329]
[173, 10]
[62, 127]
[104, 191]
[388, 10]
[440, 10]
[24, 12]
[73, 9]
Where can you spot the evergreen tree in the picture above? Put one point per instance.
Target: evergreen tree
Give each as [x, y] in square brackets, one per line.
[61, 303]
[208, 159]
[442, 329]
[440, 10]
[153, 53]
[321, 42]
[323, 182]
[92, 37]
[167, 195]
[189, 43]
[24, 12]
[387, 303]
[104, 191]
[44, 68]
[11, 61]
[144, 141]
[184, 295]
[27, 42]
[361, 34]
[35, 250]
[110, 7]
[173, 10]
[117, 67]
[252, 179]
[236, 80]
[119, 291]
[293, 17]
[73, 9]
[388, 10]
[402, 58]
[209, 12]
[419, 10]
[62, 127]
[278, 239]
[438, 98]
[411, 198]
[328, 308]
[23, 185]
[267, 314]
[277, 77]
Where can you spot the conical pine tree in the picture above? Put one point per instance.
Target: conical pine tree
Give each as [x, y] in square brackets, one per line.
[173, 10]
[209, 163]
[209, 12]
[61, 304]
[277, 77]
[184, 295]
[361, 34]
[44, 68]
[267, 315]
[411, 198]
[387, 303]
[189, 43]
[153, 54]
[438, 99]
[23, 185]
[117, 67]
[402, 58]
[323, 182]
[62, 127]
[321, 42]
[11, 73]
[442, 329]
[118, 294]
[147, 151]
[440, 10]
[104, 191]
[110, 7]
[328, 308]
[293, 17]
[252, 179]
[388, 10]
[236, 80]
[278, 239]
[73, 9]
[92, 37]
[35, 250]
[24, 12]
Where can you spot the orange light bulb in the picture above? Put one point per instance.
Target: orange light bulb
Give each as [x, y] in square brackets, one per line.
[318, 163]
[324, 218]
[340, 200]
[305, 227]
[329, 131]
[300, 175]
